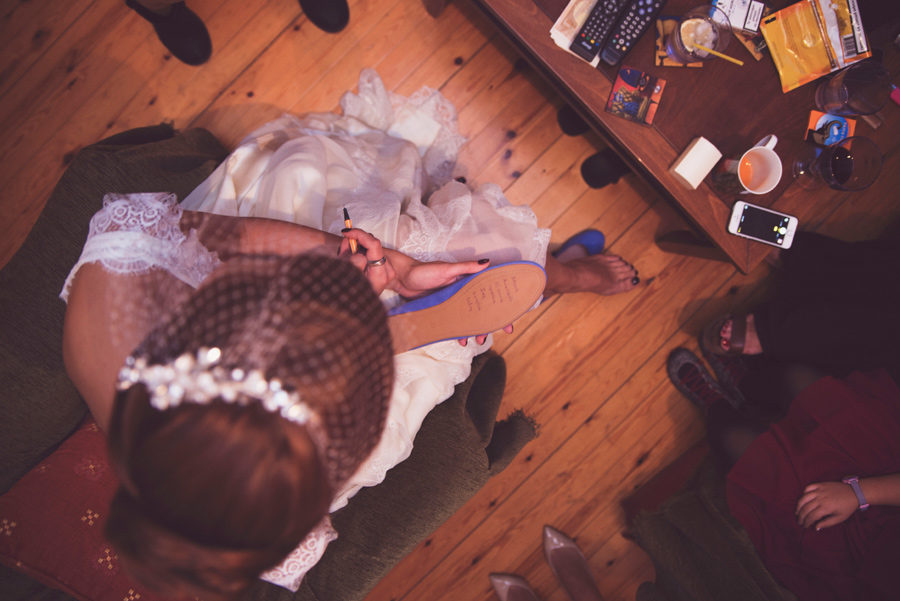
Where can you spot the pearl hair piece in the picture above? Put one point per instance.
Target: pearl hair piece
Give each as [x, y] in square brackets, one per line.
[198, 379]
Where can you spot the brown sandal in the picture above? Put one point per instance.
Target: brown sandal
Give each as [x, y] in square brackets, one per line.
[712, 337]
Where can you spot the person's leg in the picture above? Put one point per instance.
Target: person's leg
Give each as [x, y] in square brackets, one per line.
[818, 265]
[179, 29]
[769, 386]
[861, 331]
[769, 389]
[730, 429]
[601, 274]
[834, 305]
[729, 433]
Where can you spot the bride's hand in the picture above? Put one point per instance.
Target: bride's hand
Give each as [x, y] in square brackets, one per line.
[415, 278]
[374, 262]
[403, 274]
[393, 270]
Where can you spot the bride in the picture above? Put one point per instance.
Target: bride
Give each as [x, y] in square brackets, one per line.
[238, 353]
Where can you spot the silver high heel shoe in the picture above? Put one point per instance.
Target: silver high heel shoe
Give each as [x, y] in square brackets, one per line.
[570, 566]
[511, 587]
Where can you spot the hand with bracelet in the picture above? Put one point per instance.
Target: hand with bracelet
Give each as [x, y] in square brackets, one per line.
[825, 504]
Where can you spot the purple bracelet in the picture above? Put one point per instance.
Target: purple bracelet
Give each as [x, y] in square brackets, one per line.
[853, 481]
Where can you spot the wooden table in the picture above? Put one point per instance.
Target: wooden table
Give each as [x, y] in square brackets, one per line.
[731, 106]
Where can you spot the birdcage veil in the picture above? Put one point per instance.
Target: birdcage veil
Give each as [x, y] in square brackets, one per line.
[304, 336]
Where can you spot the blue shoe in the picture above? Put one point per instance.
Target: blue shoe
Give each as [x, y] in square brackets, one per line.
[593, 242]
[476, 304]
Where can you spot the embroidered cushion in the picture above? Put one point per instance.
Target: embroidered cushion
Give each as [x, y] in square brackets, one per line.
[52, 520]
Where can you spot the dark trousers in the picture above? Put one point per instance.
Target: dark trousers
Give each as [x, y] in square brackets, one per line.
[836, 304]
[835, 309]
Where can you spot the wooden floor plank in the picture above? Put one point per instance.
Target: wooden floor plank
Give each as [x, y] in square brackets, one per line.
[167, 96]
[524, 149]
[511, 537]
[442, 61]
[28, 31]
[481, 69]
[558, 167]
[280, 77]
[518, 115]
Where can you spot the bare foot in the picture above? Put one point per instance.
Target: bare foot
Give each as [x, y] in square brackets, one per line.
[576, 271]
[604, 274]
[752, 345]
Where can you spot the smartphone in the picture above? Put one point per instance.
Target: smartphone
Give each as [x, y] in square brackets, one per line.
[762, 225]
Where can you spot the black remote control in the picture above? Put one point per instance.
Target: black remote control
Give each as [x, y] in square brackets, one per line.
[635, 20]
[590, 38]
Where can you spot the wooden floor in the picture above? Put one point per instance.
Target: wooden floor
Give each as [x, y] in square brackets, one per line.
[590, 370]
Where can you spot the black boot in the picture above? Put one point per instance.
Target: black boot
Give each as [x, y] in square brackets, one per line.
[603, 168]
[570, 122]
[328, 15]
[181, 31]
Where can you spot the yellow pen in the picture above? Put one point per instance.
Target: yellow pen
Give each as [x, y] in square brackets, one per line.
[348, 224]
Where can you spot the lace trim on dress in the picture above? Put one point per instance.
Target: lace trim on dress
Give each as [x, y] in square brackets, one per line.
[290, 572]
[134, 233]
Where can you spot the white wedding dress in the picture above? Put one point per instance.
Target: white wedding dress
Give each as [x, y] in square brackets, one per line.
[390, 161]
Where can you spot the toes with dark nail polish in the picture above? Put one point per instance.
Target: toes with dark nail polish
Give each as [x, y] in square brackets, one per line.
[635, 280]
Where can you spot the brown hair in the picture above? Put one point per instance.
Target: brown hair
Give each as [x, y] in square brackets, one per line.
[198, 516]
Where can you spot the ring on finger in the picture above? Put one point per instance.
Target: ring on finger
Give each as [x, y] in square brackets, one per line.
[377, 262]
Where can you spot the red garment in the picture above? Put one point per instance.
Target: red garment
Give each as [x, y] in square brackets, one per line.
[835, 428]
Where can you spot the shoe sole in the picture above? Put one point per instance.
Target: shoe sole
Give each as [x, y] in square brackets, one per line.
[478, 304]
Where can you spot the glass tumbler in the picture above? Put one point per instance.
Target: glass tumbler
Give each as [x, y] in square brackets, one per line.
[862, 88]
[852, 164]
[704, 25]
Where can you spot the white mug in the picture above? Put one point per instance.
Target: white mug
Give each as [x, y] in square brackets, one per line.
[757, 171]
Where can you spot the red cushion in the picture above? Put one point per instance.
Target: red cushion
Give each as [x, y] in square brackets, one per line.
[52, 520]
